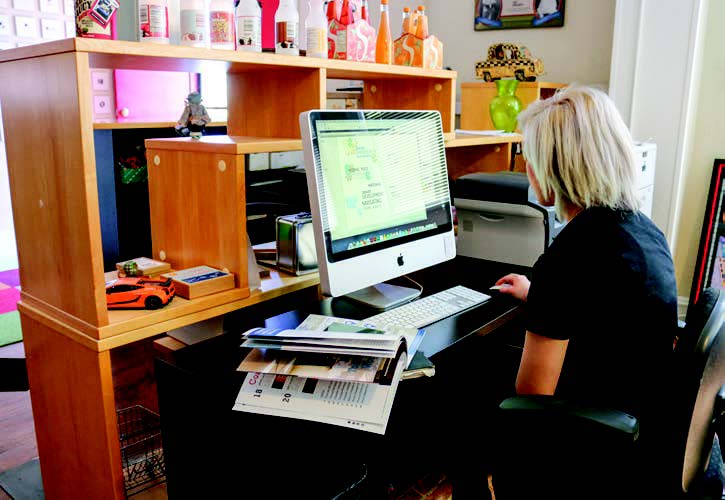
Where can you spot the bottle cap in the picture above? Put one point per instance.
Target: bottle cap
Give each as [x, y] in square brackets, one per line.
[406, 9]
[421, 7]
[384, 2]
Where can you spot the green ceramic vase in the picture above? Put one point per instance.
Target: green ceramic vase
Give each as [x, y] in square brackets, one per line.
[505, 107]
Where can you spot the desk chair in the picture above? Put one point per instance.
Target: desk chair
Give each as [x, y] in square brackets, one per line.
[13, 375]
[558, 449]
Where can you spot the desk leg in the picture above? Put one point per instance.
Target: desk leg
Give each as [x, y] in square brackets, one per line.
[71, 390]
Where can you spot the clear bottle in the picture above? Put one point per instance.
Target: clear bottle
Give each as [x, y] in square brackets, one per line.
[407, 22]
[193, 23]
[249, 26]
[286, 21]
[316, 30]
[221, 24]
[153, 21]
[384, 42]
[421, 30]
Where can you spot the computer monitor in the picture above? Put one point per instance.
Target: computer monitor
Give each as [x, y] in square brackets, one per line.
[379, 197]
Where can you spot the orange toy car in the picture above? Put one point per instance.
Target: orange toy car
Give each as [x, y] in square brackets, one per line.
[139, 293]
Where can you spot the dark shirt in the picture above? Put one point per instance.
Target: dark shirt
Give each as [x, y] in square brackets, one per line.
[607, 284]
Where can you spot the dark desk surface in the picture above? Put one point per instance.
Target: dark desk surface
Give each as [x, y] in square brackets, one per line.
[198, 387]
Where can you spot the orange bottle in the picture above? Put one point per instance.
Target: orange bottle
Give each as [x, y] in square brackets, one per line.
[384, 43]
[421, 31]
[407, 21]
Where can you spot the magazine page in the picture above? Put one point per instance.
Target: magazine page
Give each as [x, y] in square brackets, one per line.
[350, 351]
[334, 331]
[314, 365]
[387, 342]
[413, 336]
[357, 405]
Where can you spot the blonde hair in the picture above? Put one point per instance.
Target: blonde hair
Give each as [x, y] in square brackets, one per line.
[580, 150]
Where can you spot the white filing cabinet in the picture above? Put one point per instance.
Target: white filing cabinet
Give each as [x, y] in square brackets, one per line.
[645, 156]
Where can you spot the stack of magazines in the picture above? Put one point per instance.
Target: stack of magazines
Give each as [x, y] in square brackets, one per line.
[333, 370]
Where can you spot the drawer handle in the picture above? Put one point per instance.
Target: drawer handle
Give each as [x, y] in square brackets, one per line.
[491, 218]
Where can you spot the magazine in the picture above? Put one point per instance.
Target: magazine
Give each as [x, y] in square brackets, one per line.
[315, 365]
[358, 405]
[331, 370]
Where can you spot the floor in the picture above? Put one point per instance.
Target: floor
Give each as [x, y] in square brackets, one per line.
[19, 446]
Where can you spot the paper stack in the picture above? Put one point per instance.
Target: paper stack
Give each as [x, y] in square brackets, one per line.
[333, 370]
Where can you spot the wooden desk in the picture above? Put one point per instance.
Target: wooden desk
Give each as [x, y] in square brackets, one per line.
[212, 451]
[67, 329]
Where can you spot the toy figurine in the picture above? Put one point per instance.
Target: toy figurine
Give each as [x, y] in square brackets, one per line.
[194, 118]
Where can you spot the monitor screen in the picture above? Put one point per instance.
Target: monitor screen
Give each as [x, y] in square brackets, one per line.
[379, 194]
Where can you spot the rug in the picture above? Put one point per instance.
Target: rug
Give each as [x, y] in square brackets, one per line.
[23, 482]
[10, 331]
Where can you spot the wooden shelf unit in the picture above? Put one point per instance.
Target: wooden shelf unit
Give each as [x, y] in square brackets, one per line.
[476, 96]
[67, 330]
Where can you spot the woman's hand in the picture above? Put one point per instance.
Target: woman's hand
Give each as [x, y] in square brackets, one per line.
[516, 285]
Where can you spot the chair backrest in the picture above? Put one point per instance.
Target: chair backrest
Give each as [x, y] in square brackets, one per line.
[699, 375]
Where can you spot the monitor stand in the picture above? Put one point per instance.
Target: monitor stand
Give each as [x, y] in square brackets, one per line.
[384, 296]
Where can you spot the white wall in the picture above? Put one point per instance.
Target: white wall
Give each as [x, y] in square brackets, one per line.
[579, 51]
[8, 253]
[707, 144]
[656, 66]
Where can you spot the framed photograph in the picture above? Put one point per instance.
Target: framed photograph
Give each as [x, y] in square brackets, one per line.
[710, 265]
[512, 14]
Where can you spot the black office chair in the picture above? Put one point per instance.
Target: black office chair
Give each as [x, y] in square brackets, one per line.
[558, 449]
[13, 375]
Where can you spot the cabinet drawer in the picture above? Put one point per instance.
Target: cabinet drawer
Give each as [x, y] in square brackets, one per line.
[645, 157]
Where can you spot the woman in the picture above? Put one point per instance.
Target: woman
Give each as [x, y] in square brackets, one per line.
[602, 302]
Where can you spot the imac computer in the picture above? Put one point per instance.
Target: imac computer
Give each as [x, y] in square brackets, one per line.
[380, 201]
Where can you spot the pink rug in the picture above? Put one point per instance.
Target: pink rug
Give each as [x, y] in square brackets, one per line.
[9, 298]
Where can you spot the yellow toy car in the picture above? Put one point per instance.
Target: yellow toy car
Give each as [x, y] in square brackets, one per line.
[509, 60]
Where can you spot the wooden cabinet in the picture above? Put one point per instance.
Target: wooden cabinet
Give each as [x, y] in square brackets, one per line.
[48, 123]
[476, 96]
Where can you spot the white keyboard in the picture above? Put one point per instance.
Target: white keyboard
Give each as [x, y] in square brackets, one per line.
[423, 312]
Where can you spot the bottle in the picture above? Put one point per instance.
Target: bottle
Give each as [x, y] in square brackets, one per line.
[384, 43]
[316, 30]
[407, 22]
[286, 21]
[193, 23]
[421, 30]
[332, 11]
[365, 14]
[221, 24]
[249, 26]
[153, 21]
[346, 15]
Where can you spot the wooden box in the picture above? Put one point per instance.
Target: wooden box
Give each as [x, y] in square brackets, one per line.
[199, 281]
[146, 266]
[198, 204]
[409, 50]
[352, 42]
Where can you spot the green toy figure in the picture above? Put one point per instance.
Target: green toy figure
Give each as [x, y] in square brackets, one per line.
[130, 269]
[194, 118]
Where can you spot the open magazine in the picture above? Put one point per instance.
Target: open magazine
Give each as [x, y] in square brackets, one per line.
[323, 371]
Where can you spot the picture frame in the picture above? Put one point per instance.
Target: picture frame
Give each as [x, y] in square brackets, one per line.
[710, 264]
[516, 14]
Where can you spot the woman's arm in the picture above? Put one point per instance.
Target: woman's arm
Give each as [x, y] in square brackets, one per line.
[540, 365]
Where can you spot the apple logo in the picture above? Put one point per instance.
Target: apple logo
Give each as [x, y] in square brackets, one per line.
[400, 260]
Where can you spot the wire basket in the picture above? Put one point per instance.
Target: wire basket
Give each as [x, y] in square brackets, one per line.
[142, 455]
